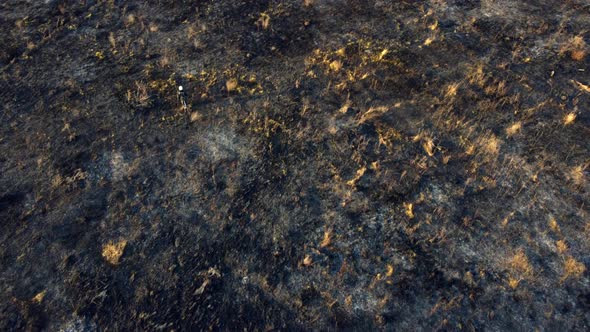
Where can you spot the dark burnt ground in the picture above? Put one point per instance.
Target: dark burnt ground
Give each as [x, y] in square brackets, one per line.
[346, 164]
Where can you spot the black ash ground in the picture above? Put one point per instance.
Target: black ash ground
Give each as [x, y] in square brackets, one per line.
[343, 164]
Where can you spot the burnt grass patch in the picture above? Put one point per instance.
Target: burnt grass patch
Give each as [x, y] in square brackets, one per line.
[341, 164]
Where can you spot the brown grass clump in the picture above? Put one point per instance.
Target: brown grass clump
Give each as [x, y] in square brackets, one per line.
[514, 128]
[112, 40]
[569, 118]
[520, 263]
[113, 251]
[359, 173]
[507, 218]
[130, 20]
[491, 145]
[476, 75]
[195, 116]
[231, 84]
[578, 55]
[428, 146]
[513, 282]
[39, 297]
[519, 268]
[577, 174]
[554, 225]
[486, 147]
[336, 65]
[451, 90]
[327, 239]
[496, 88]
[572, 268]
[140, 97]
[263, 21]
[561, 246]
[576, 48]
[372, 113]
[390, 270]
[409, 210]
[581, 86]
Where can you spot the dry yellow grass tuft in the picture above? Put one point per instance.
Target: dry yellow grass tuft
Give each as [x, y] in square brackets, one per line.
[428, 146]
[507, 218]
[491, 145]
[487, 146]
[112, 40]
[577, 48]
[433, 26]
[519, 269]
[451, 90]
[561, 246]
[359, 173]
[387, 136]
[231, 84]
[513, 282]
[577, 175]
[336, 65]
[409, 210]
[372, 113]
[476, 75]
[382, 54]
[345, 107]
[496, 88]
[520, 263]
[130, 19]
[581, 86]
[139, 97]
[348, 301]
[572, 268]
[514, 128]
[578, 55]
[39, 297]
[554, 225]
[113, 251]
[263, 21]
[195, 116]
[390, 270]
[569, 118]
[327, 239]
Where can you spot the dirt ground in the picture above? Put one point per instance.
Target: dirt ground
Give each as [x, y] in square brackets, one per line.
[342, 165]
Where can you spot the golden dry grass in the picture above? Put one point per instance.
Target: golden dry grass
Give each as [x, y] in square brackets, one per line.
[569, 118]
[38, 298]
[327, 239]
[519, 268]
[572, 268]
[514, 128]
[113, 251]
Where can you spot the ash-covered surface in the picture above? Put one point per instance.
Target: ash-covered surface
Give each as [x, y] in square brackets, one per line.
[345, 164]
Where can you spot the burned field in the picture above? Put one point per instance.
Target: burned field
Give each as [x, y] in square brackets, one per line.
[343, 164]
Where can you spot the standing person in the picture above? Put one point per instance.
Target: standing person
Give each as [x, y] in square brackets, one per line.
[182, 98]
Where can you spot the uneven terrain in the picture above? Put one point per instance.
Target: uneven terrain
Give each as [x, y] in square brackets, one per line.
[342, 164]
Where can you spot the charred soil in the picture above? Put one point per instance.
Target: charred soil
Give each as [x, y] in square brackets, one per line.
[343, 164]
